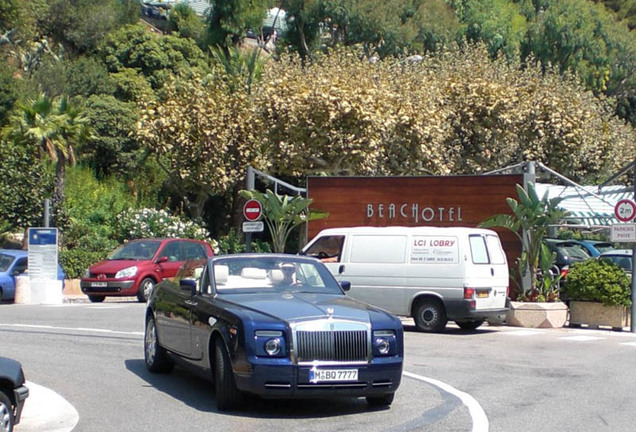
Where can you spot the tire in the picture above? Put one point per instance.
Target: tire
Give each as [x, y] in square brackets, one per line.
[145, 289]
[6, 413]
[227, 395]
[430, 316]
[469, 325]
[157, 360]
[380, 401]
[96, 298]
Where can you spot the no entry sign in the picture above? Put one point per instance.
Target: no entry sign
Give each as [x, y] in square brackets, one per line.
[252, 210]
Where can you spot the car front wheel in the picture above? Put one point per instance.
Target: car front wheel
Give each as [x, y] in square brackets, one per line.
[157, 359]
[96, 298]
[145, 289]
[227, 395]
[6, 413]
[430, 316]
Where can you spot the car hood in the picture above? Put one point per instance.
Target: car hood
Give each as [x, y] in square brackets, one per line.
[114, 266]
[293, 307]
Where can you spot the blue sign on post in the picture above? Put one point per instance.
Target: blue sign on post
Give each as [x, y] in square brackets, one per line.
[43, 253]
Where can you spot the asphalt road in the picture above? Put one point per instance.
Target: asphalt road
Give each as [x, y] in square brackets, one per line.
[84, 364]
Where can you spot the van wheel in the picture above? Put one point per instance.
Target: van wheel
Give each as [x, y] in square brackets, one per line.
[469, 325]
[430, 316]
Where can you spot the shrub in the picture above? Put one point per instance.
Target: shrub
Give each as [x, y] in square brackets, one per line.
[233, 243]
[149, 223]
[599, 281]
[76, 261]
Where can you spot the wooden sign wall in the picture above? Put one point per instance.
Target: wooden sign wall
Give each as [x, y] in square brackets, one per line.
[462, 201]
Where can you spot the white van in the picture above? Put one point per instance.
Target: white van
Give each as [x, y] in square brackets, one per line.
[428, 273]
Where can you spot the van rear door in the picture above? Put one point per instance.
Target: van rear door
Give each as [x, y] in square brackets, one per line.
[487, 271]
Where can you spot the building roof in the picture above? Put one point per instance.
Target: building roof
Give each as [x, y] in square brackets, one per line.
[590, 206]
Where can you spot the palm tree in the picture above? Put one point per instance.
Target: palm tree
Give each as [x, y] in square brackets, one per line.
[283, 213]
[56, 127]
[530, 220]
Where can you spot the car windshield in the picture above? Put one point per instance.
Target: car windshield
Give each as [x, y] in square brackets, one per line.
[138, 250]
[574, 251]
[5, 262]
[604, 247]
[624, 262]
[273, 274]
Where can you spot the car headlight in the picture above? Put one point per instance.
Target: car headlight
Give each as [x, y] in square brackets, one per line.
[270, 343]
[87, 273]
[127, 272]
[384, 343]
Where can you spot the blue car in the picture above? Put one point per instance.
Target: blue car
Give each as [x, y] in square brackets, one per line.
[273, 325]
[14, 263]
[595, 247]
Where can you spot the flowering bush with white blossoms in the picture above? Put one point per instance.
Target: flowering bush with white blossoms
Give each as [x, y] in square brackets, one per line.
[149, 223]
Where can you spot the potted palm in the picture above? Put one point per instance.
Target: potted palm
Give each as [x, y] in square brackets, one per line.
[599, 293]
[538, 303]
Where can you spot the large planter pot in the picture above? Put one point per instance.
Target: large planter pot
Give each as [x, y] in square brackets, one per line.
[537, 315]
[596, 314]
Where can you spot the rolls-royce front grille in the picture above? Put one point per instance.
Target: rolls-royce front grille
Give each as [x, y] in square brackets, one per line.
[332, 345]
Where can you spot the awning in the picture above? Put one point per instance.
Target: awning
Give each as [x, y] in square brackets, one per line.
[590, 206]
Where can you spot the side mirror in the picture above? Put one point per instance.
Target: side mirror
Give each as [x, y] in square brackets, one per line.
[189, 285]
[345, 285]
[162, 259]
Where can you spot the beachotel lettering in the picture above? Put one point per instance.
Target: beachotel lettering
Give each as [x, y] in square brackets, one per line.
[415, 213]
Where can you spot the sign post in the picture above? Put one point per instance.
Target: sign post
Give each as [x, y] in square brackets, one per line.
[42, 255]
[252, 212]
[625, 211]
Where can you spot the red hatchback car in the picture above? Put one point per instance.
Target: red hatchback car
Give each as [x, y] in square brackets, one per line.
[134, 268]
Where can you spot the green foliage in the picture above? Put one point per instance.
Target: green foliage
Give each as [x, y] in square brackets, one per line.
[155, 57]
[283, 213]
[530, 219]
[80, 25]
[113, 150]
[184, 20]
[230, 19]
[233, 243]
[599, 281]
[498, 23]
[8, 92]
[25, 182]
[76, 261]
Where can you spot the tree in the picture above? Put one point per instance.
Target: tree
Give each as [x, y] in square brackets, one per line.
[283, 213]
[25, 183]
[184, 20]
[113, 150]
[53, 125]
[530, 219]
[154, 57]
[230, 19]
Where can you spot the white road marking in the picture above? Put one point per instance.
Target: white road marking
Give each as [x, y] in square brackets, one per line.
[629, 343]
[47, 411]
[523, 332]
[581, 338]
[477, 413]
[82, 329]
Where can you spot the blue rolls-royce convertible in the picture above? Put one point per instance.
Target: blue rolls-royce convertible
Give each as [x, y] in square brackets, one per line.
[273, 325]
